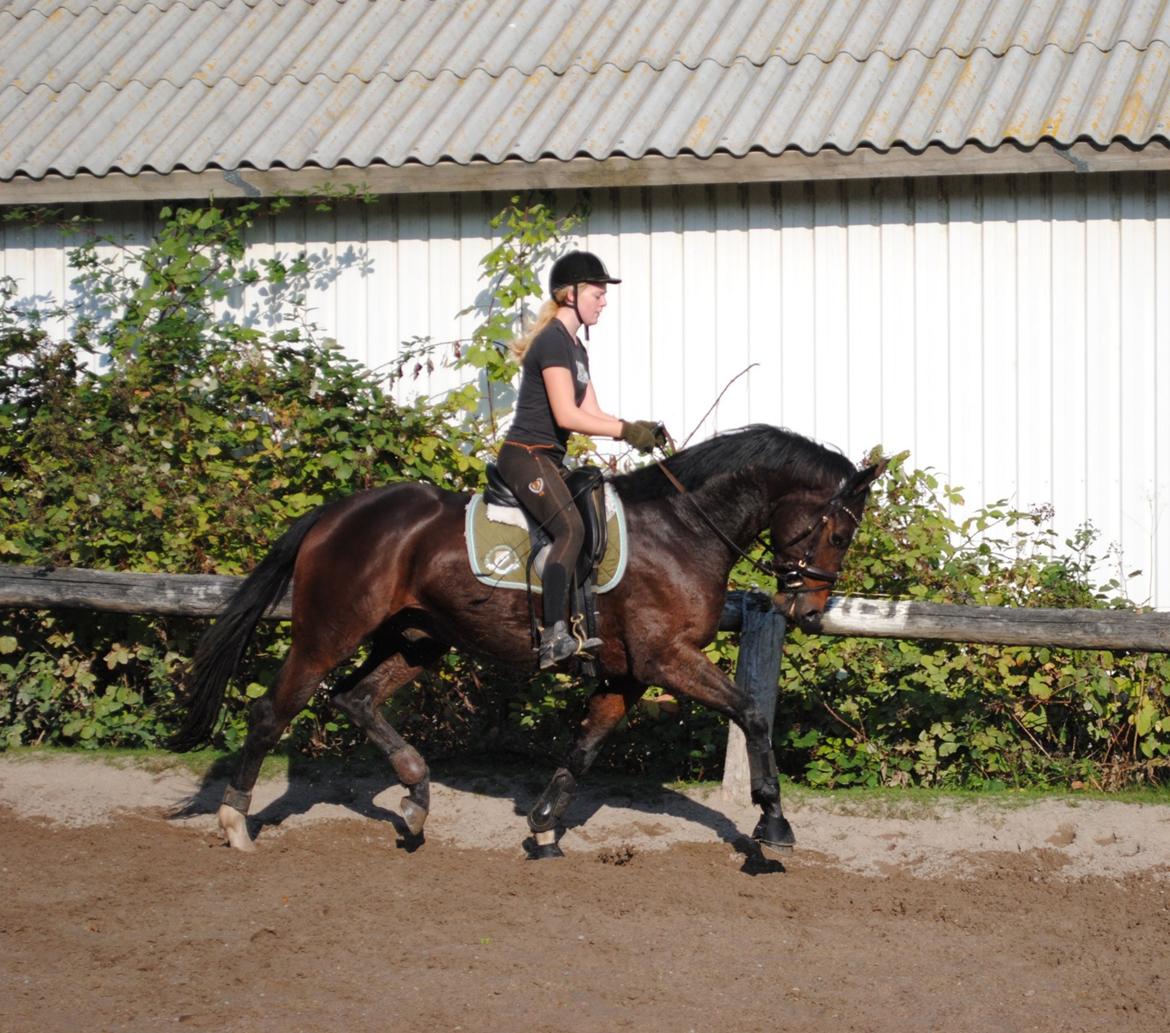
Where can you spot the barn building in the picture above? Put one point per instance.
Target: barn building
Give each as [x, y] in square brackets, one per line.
[940, 226]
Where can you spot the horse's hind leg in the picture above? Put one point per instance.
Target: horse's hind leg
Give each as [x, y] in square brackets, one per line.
[388, 668]
[607, 706]
[268, 718]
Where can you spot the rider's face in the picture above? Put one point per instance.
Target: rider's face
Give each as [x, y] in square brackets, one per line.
[590, 301]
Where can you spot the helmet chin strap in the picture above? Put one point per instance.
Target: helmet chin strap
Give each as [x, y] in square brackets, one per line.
[577, 311]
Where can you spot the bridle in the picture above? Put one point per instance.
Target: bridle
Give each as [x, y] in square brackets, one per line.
[791, 574]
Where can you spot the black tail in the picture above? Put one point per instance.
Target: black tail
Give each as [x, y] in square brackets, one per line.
[221, 649]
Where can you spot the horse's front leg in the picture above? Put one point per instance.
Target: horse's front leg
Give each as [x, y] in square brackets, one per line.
[607, 706]
[772, 829]
[688, 672]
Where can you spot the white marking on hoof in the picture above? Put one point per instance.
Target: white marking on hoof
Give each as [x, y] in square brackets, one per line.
[776, 849]
[234, 827]
[545, 838]
[414, 816]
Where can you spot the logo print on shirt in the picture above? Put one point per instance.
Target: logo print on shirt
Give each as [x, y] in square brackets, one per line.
[536, 486]
[582, 373]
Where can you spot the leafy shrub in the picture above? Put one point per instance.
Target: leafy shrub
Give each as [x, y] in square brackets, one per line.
[860, 711]
[191, 451]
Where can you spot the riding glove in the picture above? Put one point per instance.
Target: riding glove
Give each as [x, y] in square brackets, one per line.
[642, 434]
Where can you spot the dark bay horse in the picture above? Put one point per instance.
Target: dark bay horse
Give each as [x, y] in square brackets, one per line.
[388, 566]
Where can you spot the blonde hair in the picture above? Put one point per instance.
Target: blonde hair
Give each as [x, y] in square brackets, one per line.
[547, 313]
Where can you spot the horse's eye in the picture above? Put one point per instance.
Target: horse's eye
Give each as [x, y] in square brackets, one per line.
[838, 541]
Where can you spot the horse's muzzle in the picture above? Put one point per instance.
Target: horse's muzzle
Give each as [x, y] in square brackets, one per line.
[787, 604]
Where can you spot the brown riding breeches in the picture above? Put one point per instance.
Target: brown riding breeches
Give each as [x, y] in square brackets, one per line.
[537, 480]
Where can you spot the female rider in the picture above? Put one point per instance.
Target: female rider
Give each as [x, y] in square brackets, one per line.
[556, 399]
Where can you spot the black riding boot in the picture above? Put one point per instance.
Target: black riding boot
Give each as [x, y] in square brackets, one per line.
[558, 643]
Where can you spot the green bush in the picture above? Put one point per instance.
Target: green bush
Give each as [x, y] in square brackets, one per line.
[870, 712]
[191, 451]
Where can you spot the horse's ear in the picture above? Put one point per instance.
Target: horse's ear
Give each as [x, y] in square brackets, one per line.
[862, 480]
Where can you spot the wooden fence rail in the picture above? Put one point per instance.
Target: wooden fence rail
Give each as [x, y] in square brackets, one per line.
[204, 595]
[761, 629]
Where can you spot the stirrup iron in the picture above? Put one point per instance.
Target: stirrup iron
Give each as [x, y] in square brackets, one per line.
[585, 646]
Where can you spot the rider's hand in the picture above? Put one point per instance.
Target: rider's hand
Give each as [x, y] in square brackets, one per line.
[640, 433]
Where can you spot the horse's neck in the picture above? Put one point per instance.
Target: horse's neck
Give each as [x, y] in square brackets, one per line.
[741, 505]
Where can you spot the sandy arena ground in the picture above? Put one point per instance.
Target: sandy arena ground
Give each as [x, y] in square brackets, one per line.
[121, 911]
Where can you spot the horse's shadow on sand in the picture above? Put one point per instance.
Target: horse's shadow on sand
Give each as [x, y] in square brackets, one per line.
[651, 801]
[312, 783]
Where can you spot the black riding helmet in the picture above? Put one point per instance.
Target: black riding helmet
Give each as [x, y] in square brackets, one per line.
[578, 267]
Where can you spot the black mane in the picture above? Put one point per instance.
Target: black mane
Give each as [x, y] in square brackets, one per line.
[758, 446]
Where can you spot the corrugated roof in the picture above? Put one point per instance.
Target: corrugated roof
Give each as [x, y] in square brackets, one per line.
[182, 84]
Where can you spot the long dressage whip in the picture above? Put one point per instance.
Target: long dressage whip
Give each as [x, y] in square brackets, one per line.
[714, 406]
[681, 488]
[703, 419]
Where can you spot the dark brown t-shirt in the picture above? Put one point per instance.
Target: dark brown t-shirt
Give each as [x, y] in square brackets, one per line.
[533, 423]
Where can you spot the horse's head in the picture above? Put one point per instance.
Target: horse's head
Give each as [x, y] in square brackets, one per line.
[809, 541]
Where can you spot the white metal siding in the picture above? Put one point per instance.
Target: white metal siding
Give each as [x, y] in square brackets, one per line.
[1011, 332]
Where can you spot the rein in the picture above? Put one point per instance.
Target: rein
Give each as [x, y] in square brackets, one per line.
[791, 574]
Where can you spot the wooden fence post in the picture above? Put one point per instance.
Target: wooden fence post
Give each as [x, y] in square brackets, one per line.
[761, 642]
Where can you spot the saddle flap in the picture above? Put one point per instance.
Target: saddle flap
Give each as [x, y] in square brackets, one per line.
[588, 489]
[497, 492]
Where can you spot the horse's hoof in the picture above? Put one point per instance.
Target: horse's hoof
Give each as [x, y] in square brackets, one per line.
[543, 853]
[414, 816]
[545, 846]
[234, 828]
[775, 833]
